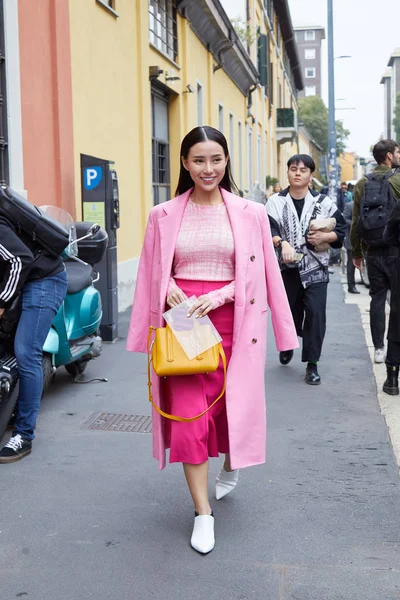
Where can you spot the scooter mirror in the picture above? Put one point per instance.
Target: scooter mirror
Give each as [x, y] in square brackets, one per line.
[93, 229]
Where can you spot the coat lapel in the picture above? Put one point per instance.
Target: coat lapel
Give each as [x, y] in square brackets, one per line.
[169, 225]
[242, 225]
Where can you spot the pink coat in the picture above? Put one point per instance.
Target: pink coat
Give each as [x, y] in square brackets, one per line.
[258, 284]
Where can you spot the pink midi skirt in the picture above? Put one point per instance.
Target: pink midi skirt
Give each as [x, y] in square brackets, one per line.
[190, 395]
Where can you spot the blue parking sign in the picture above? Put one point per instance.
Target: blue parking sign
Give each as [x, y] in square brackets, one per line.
[92, 177]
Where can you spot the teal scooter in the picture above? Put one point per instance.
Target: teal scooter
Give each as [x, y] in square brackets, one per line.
[73, 340]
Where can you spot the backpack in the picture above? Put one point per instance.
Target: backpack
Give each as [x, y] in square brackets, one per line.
[29, 219]
[376, 207]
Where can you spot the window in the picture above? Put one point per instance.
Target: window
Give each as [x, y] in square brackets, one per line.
[309, 36]
[231, 141]
[221, 118]
[269, 6]
[310, 72]
[249, 151]
[163, 27]
[160, 146]
[240, 147]
[264, 162]
[278, 34]
[199, 104]
[311, 90]
[309, 54]
[258, 158]
[109, 5]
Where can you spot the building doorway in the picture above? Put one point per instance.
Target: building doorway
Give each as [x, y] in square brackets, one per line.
[160, 146]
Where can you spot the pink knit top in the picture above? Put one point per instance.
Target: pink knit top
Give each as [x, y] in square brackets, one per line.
[205, 250]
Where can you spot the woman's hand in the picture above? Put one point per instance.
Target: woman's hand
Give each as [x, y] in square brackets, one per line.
[201, 307]
[287, 252]
[176, 297]
[318, 237]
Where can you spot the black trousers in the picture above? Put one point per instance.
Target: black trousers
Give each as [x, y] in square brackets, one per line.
[393, 354]
[351, 270]
[308, 306]
[381, 264]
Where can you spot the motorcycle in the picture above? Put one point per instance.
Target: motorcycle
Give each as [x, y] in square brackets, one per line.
[73, 339]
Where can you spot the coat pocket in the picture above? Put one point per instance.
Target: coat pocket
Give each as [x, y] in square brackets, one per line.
[264, 311]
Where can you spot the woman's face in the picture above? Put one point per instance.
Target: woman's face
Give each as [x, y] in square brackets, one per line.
[206, 163]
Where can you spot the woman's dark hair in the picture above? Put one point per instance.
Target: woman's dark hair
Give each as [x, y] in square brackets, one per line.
[381, 149]
[304, 158]
[203, 134]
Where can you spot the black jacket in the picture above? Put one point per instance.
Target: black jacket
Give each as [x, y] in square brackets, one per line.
[21, 261]
[392, 236]
[348, 217]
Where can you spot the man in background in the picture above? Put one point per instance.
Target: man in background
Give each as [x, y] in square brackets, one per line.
[350, 268]
[381, 257]
[304, 268]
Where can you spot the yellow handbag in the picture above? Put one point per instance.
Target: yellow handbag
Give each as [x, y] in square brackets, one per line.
[169, 359]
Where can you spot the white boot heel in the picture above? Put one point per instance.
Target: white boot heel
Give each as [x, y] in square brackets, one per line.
[203, 539]
[226, 482]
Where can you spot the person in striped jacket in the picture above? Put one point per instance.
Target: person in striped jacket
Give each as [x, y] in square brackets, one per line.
[28, 271]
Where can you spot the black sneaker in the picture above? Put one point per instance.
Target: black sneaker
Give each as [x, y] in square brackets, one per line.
[15, 449]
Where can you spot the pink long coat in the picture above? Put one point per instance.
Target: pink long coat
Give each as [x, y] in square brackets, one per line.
[258, 284]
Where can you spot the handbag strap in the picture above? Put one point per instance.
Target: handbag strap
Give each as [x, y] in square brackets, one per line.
[149, 385]
[316, 208]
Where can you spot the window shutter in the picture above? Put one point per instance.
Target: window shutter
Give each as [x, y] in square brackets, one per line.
[263, 60]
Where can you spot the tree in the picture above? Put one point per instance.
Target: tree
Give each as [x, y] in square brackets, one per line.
[245, 32]
[314, 114]
[341, 136]
[396, 120]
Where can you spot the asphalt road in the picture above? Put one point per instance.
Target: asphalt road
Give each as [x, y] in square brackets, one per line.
[88, 514]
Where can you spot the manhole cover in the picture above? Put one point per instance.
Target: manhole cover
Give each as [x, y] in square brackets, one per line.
[118, 422]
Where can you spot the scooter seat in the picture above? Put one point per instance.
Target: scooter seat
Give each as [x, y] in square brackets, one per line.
[79, 276]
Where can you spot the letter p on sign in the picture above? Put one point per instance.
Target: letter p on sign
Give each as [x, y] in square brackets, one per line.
[92, 177]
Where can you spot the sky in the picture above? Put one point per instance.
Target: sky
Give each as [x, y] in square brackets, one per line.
[369, 32]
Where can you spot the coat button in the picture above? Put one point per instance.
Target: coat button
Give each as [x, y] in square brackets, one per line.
[252, 258]
[254, 341]
[252, 301]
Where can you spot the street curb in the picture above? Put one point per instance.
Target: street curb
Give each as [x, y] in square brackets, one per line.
[389, 405]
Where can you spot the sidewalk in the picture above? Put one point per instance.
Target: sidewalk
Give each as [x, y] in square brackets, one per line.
[389, 405]
[88, 516]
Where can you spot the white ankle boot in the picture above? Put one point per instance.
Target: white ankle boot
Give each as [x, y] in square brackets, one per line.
[226, 482]
[203, 539]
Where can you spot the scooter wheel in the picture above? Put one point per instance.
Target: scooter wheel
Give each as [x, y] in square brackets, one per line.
[76, 368]
[48, 372]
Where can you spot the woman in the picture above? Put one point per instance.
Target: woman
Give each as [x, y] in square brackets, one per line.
[217, 246]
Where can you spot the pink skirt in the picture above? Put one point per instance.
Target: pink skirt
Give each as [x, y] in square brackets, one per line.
[190, 395]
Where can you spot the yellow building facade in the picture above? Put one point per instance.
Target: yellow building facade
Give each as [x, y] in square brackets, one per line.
[350, 166]
[145, 72]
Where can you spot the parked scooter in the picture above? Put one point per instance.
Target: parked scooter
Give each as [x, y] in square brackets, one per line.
[73, 339]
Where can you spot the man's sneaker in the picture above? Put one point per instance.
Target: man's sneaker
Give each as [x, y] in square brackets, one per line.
[15, 449]
[379, 356]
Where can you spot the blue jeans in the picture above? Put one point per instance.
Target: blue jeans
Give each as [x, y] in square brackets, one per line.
[41, 300]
